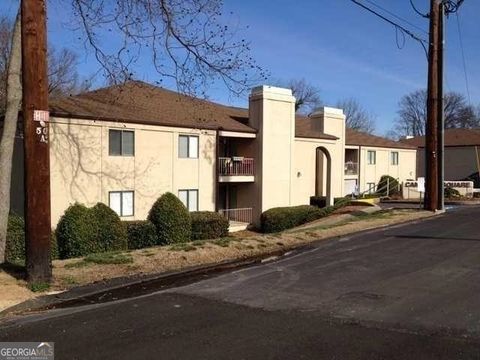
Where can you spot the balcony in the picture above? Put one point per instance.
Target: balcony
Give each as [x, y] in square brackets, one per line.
[351, 168]
[236, 169]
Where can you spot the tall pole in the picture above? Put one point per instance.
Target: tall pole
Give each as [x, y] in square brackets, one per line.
[441, 111]
[35, 120]
[431, 128]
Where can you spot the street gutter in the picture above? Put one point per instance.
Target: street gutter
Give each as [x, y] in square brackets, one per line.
[137, 285]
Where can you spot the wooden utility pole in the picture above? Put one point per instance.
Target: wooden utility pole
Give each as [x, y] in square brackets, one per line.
[35, 120]
[431, 129]
[440, 111]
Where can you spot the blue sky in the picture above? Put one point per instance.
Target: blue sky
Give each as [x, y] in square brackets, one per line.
[333, 44]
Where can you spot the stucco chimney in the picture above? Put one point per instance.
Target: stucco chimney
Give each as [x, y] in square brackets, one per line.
[330, 121]
[272, 113]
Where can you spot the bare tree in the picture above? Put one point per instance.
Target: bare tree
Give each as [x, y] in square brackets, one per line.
[307, 96]
[5, 40]
[185, 41]
[13, 99]
[356, 116]
[63, 77]
[413, 113]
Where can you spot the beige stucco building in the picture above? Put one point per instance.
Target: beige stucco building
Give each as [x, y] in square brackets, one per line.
[126, 145]
[461, 154]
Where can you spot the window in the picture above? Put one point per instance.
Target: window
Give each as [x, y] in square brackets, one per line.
[188, 146]
[371, 157]
[371, 187]
[394, 157]
[121, 142]
[121, 202]
[189, 198]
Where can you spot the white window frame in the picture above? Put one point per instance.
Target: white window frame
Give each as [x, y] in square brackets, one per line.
[394, 158]
[122, 211]
[192, 151]
[369, 159]
[189, 193]
[122, 153]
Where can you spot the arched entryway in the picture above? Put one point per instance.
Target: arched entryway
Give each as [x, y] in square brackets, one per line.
[323, 179]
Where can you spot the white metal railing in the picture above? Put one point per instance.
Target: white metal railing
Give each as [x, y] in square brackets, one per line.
[351, 168]
[236, 166]
[243, 215]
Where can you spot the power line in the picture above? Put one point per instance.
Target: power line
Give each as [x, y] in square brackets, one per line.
[396, 25]
[396, 16]
[463, 58]
[417, 11]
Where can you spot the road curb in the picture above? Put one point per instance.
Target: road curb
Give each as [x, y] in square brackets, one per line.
[112, 289]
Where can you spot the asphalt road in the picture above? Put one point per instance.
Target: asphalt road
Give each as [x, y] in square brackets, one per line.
[408, 292]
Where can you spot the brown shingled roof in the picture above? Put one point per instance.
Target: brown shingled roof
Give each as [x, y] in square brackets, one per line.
[354, 137]
[453, 137]
[304, 128]
[139, 102]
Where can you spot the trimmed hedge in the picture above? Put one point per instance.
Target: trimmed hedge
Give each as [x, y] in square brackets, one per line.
[282, 218]
[208, 225]
[82, 231]
[141, 234]
[393, 186]
[15, 246]
[171, 219]
[321, 201]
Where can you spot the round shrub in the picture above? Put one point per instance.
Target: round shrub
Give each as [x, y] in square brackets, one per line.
[208, 225]
[141, 234]
[171, 219]
[74, 232]
[388, 186]
[282, 218]
[110, 232]
[82, 231]
[15, 246]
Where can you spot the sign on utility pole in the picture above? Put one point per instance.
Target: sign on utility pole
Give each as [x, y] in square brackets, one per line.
[35, 120]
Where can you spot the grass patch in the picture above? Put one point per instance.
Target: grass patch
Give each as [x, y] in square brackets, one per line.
[105, 258]
[198, 243]
[39, 286]
[182, 247]
[69, 280]
[223, 242]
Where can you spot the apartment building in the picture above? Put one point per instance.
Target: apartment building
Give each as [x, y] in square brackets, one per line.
[461, 154]
[126, 145]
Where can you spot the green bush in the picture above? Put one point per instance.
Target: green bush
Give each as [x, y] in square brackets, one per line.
[15, 246]
[208, 225]
[282, 218]
[393, 186]
[451, 193]
[82, 231]
[321, 201]
[110, 234]
[171, 219]
[476, 195]
[141, 234]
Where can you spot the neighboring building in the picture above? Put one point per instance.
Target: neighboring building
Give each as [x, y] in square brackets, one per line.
[126, 145]
[462, 153]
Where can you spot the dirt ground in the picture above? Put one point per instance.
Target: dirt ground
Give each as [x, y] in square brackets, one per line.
[74, 272]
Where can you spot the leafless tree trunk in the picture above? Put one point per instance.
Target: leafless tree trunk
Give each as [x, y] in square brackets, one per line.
[14, 97]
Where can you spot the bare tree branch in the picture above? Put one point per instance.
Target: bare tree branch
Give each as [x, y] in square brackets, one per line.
[184, 38]
[356, 116]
